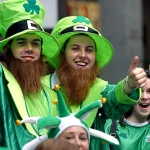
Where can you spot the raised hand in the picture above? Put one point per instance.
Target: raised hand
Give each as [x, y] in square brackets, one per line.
[136, 77]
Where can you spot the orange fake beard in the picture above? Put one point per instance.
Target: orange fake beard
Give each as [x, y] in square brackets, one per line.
[27, 73]
[76, 82]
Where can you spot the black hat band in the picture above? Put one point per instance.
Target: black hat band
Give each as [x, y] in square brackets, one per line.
[79, 28]
[22, 26]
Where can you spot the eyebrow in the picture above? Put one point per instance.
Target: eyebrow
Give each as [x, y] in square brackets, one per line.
[74, 45]
[21, 39]
[82, 133]
[79, 45]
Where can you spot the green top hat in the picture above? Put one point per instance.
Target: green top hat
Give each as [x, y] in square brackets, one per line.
[25, 16]
[69, 26]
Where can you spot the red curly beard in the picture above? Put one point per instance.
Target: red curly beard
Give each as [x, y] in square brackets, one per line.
[27, 73]
[76, 82]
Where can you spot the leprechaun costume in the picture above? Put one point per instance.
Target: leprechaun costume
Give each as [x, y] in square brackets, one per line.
[19, 17]
[118, 102]
[14, 105]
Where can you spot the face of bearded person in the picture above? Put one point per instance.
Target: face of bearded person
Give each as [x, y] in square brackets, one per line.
[27, 73]
[77, 82]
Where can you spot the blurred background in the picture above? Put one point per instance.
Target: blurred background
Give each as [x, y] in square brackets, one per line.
[125, 23]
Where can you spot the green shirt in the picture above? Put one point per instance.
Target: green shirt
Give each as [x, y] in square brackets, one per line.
[134, 136]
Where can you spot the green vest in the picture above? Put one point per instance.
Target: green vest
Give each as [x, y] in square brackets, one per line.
[94, 94]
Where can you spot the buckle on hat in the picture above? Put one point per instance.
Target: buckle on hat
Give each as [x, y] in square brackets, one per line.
[31, 25]
[80, 28]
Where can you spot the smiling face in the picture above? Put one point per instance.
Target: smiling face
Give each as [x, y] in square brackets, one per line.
[26, 47]
[142, 110]
[76, 135]
[80, 52]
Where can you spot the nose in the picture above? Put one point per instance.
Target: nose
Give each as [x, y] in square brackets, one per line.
[82, 53]
[144, 96]
[28, 49]
[78, 142]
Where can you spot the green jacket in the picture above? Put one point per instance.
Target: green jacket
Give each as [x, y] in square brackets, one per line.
[11, 135]
[13, 107]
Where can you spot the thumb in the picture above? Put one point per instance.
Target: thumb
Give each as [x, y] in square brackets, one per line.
[133, 65]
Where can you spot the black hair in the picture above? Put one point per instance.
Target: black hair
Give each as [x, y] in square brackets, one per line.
[2, 57]
[147, 73]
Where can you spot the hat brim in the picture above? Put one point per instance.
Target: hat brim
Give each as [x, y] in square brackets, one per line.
[104, 49]
[50, 46]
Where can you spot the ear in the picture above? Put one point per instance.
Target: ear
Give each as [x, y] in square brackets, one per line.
[6, 47]
[63, 49]
[45, 58]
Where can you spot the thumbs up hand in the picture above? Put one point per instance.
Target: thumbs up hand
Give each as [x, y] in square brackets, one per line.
[136, 77]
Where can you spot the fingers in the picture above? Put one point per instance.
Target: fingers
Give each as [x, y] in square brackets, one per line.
[133, 65]
[142, 83]
[138, 72]
[137, 76]
[139, 83]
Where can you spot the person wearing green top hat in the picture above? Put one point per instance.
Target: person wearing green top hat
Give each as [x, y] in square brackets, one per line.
[84, 51]
[26, 47]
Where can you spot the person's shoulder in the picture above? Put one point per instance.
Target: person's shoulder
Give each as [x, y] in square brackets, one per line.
[46, 77]
[46, 80]
[3, 67]
[3, 63]
[99, 80]
[3, 148]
